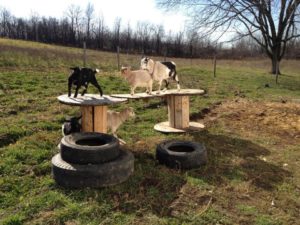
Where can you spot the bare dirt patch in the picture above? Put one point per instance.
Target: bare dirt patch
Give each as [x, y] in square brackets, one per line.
[277, 120]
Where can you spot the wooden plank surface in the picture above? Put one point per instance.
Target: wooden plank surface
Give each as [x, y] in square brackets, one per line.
[165, 128]
[90, 100]
[185, 111]
[182, 92]
[178, 112]
[87, 121]
[171, 110]
[100, 119]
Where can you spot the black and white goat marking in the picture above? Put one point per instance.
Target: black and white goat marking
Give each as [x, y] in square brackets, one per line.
[71, 125]
[161, 71]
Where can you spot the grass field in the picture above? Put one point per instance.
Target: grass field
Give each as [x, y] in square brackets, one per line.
[252, 137]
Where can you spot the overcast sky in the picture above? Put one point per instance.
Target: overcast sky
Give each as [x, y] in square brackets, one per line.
[129, 10]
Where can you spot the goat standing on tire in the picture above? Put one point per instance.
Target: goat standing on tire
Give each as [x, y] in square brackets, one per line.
[161, 71]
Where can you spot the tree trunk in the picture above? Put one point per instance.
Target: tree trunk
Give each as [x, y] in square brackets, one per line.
[274, 68]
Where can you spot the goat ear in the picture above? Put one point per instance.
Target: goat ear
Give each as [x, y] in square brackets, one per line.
[75, 68]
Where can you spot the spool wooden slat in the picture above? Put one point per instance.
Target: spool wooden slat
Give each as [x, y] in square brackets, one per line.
[87, 119]
[100, 119]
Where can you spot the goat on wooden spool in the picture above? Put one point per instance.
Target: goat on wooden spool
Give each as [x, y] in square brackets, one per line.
[161, 71]
[137, 78]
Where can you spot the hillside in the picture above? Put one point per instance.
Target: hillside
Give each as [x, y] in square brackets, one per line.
[252, 138]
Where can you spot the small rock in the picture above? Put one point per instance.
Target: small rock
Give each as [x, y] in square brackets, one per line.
[273, 203]
[264, 159]
[12, 112]
[283, 100]
[205, 110]
[261, 114]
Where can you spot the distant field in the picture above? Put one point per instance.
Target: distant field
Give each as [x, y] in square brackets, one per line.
[252, 136]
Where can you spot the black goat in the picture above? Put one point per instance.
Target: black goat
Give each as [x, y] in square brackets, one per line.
[82, 77]
[71, 125]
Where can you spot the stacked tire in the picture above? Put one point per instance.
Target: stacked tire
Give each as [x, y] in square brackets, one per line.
[91, 160]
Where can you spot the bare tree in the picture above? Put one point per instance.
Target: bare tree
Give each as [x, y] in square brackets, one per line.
[100, 31]
[127, 36]
[116, 32]
[159, 33]
[34, 19]
[192, 38]
[74, 14]
[89, 13]
[143, 34]
[271, 23]
[5, 17]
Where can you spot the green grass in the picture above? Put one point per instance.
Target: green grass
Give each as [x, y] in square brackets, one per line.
[240, 184]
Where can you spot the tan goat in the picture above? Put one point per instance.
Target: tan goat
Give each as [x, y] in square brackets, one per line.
[137, 78]
[116, 119]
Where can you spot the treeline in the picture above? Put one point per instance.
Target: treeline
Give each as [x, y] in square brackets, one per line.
[81, 25]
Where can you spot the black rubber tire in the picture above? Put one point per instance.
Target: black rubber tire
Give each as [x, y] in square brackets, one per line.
[190, 154]
[92, 175]
[85, 154]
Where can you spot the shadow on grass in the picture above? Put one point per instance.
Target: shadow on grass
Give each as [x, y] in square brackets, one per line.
[10, 138]
[151, 188]
[237, 159]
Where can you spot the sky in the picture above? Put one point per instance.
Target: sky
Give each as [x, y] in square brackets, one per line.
[129, 10]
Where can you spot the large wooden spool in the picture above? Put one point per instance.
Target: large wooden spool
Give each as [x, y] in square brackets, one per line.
[178, 109]
[93, 110]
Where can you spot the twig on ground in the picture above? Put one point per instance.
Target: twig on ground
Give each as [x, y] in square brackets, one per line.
[204, 210]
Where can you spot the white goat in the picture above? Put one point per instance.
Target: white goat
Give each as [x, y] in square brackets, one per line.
[116, 119]
[137, 78]
[161, 71]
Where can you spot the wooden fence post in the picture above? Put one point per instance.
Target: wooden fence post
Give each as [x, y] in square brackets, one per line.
[118, 57]
[84, 54]
[215, 65]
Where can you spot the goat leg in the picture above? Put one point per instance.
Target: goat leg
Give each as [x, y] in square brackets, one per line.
[85, 90]
[122, 142]
[177, 80]
[132, 90]
[69, 88]
[159, 87]
[167, 84]
[149, 88]
[95, 83]
[76, 91]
